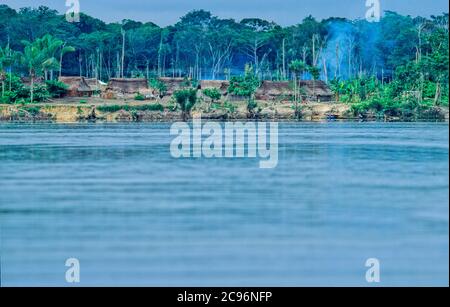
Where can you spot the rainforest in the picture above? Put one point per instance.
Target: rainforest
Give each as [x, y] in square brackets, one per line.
[394, 68]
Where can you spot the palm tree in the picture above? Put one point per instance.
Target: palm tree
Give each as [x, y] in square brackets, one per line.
[35, 58]
[3, 57]
[51, 46]
[40, 56]
[7, 59]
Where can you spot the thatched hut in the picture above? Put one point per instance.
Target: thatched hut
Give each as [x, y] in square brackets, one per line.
[273, 90]
[279, 90]
[173, 84]
[317, 90]
[78, 86]
[127, 86]
[96, 85]
[221, 85]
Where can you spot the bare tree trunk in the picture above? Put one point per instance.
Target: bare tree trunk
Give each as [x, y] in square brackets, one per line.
[32, 86]
[284, 58]
[118, 64]
[337, 71]
[350, 51]
[80, 60]
[304, 51]
[325, 71]
[60, 59]
[10, 78]
[159, 55]
[419, 47]
[123, 53]
[437, 96]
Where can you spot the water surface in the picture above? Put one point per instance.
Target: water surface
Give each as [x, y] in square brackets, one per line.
[112, 196]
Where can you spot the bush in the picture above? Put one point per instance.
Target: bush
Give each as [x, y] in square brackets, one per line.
[212, 93]
[110, 108]
[186, 99]
[40, 93]
[159, 86]
[56, 89]
[14, 90]
[229, 106]
[252, 105]
[149, 107]
[139, 97]
[128, 108]
[8, 98]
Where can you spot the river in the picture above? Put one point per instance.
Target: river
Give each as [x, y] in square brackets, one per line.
[112, 196]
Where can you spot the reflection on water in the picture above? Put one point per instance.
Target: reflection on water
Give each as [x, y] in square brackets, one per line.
[112, 196]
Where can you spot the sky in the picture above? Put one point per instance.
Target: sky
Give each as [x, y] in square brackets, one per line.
[283, 12]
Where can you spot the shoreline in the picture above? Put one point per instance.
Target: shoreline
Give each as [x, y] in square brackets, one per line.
[116, 111]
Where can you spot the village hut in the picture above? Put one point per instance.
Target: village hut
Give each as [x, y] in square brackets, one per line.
[274, 90]
[221, 85]
[77, 86]
[96, 85]
[283, 90]
[127, 86]
[317, 90]
[173, 84]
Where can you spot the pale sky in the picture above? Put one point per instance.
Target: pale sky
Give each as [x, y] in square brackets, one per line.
[283, 12]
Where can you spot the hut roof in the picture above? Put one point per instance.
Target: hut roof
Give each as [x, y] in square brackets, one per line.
[130, 86]
[270, 90]
[274, 88]
[173, 84]
[316, 88]
[94, 84]
[78, 84]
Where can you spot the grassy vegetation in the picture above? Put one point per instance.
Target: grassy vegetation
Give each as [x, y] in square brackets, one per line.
[130, 108]
[404, 98]
[139, 97]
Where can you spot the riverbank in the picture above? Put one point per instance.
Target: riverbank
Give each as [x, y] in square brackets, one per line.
[70, 110]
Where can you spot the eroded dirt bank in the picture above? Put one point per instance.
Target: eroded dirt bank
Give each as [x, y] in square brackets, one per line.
[101, 110]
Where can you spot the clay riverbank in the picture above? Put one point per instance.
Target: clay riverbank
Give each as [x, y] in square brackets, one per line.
[72, 110]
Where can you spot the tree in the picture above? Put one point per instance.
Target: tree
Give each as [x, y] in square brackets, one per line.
[297, 67]
[246, 86]
[8, 58]
[3, 57]
[186, 100]
[213, 94]
[159, 86]
[38, 56]
[315, 74]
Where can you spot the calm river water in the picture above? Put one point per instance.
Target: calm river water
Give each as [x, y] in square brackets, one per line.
[112, 196]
